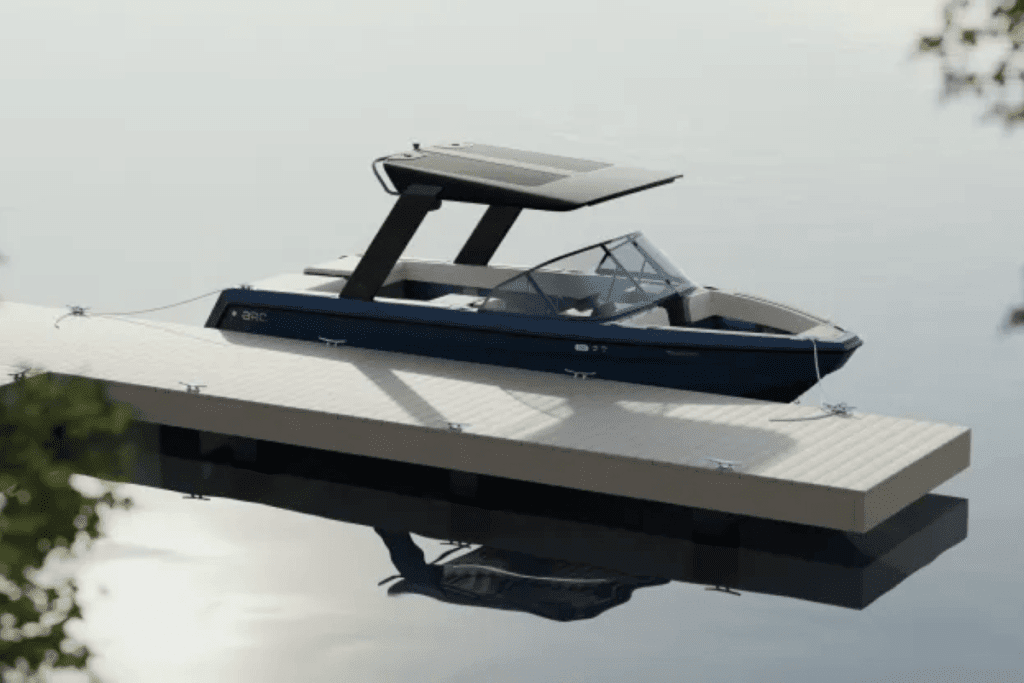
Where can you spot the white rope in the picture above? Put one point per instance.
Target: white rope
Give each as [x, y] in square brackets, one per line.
[81, 310]
[827, 409]
[817, 371]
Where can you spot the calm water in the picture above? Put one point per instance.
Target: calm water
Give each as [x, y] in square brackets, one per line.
[154, 152]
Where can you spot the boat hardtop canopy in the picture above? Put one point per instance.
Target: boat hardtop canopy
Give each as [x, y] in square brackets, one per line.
[506, 180]
[487, 174]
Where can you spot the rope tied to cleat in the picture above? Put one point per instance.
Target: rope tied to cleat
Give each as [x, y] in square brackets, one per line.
[827, 409]
[80, 311]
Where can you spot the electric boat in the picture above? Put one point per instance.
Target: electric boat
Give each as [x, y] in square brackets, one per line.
[617, 309]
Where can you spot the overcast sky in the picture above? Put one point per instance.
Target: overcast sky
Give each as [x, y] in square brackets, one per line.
[154, 151]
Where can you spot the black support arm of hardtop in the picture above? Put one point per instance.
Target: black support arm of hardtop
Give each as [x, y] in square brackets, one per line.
[391, 240]
[487, 235]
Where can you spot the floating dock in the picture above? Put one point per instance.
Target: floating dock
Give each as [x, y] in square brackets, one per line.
[776, 461]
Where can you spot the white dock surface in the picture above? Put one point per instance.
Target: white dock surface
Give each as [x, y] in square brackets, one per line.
[848, 473]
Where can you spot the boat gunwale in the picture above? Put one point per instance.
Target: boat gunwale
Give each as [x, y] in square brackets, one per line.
[587, 331]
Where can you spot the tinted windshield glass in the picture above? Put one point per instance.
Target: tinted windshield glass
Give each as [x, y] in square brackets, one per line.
[606, 280]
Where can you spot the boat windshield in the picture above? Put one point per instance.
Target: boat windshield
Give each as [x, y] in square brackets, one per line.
[606, 280]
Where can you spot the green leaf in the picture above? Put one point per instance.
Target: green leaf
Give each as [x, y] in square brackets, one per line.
[23, 523]
[49, 428]
[1000, 75]
[10, 556]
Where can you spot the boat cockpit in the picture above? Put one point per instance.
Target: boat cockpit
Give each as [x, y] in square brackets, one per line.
[605, 281]
[625, 281]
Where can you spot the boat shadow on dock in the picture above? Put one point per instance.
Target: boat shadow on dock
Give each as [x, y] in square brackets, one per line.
[557, 412]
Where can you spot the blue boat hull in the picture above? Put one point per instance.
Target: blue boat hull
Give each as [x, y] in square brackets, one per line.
[766, 368]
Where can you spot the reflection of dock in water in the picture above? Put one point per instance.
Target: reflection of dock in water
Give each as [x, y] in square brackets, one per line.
[539, 531]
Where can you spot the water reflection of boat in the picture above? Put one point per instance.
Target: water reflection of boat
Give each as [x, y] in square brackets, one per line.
[510, 580]
[618, 309]
[514, 521]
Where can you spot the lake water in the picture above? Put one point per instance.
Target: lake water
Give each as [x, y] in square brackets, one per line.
[153, 152]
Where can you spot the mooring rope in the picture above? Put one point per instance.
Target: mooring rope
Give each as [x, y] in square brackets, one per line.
[827, 409]
[81, 310]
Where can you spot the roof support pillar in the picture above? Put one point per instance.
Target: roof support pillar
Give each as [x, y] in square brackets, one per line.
[676, 309]
[487, 235]
[401, 224]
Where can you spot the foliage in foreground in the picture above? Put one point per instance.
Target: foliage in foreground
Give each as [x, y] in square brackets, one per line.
[971, 29]
[50, 429]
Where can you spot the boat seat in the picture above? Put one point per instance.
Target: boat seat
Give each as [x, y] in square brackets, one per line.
[698, 305]
[423, 270]
[705, 303]
[653, 317]
[458, 302]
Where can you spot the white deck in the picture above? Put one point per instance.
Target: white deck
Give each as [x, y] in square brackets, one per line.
[611, 437]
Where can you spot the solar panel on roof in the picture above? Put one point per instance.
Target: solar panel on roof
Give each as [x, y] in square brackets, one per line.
[536, 158]
[488, 170]
[502, 176]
